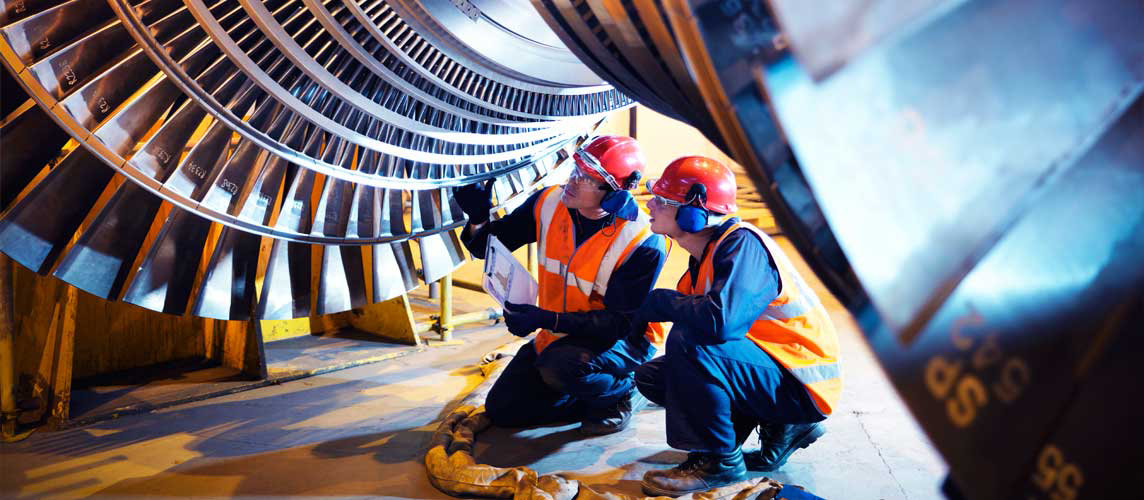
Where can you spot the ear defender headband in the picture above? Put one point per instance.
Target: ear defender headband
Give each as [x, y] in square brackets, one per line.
[619, 200]
[693, 215]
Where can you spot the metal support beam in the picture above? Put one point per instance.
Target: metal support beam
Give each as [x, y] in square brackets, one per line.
[476, 287]
[445, 321]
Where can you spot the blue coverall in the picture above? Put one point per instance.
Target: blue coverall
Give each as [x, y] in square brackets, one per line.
[587, 372]
[715, 383]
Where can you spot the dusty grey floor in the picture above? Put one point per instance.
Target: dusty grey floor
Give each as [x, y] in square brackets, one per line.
[362, 432]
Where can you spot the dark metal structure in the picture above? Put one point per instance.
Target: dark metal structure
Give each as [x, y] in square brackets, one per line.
[967, 177]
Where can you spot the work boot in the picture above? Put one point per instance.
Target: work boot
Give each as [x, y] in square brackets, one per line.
[778, 442]
[700, 472]
[615, 418]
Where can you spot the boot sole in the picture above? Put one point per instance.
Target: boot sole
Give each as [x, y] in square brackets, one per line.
[652, 490]
[600, 432]
[801, 442]
[655, 491]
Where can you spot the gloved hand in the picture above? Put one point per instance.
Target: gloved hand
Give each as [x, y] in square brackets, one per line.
[523, 319]
[656, 306]
[475, 200]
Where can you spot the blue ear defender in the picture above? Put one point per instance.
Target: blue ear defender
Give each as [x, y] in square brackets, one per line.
[620, 201]
[692, 217]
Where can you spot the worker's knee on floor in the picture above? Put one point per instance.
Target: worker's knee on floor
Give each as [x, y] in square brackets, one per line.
[502, 404]
[502, 411]
[564, 368]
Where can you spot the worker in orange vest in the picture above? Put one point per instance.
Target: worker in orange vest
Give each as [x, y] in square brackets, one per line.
[598, 260]
[750, 345]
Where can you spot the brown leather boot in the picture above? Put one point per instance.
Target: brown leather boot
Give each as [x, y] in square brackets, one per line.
[700, 472]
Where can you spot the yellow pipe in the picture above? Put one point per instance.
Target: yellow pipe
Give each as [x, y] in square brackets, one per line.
[473, 317]
[476, 287]
[458, 320]
[446, 319]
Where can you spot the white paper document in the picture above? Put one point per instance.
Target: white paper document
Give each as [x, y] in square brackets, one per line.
[505, 278]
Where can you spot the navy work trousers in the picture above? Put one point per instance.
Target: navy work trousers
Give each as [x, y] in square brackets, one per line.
[569, 381]
[715, 394]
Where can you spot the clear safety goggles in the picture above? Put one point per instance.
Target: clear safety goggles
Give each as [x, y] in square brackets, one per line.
[579, 176]
[659, 199]
[593, 163]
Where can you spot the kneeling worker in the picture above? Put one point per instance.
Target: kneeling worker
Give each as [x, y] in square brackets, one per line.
[598, 260]
[751, 344]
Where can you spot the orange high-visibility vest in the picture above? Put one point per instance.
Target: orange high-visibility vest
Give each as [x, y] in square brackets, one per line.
[794, 329]
[575, 279]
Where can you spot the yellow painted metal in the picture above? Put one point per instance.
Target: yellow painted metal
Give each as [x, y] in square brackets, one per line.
[445, 322]
[391, 320]
[476, 287]
[279, 329]
[476, 316]
[63, 328]
[45, 314]
[7, 355]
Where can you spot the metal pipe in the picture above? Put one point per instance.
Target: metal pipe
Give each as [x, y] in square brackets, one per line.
[459, 319]
[476, 316]
[445, 322]
[476, 287]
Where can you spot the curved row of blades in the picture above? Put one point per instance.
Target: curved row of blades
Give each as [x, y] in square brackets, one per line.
[697, 61]
[898, 118]
[634, 45]
[253, 147]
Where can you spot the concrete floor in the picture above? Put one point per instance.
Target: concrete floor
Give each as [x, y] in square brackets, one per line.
[362, 432]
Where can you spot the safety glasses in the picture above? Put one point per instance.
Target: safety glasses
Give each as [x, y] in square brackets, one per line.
[579, 176]
[591, 162]
[659, 199]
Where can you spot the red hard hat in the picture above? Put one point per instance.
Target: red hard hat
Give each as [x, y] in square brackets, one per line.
[618, 156]
[681, 174]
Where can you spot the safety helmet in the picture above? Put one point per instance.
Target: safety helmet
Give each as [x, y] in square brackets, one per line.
[612, 160]
[679, 180]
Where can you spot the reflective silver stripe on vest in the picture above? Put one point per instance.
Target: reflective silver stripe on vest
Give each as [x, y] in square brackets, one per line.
[788, 310]
[817, 373]
[552, 265]
[807, 297]
[547, 210]
[556, 267]
[608, 262]
[611, 258]
[805, 301]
